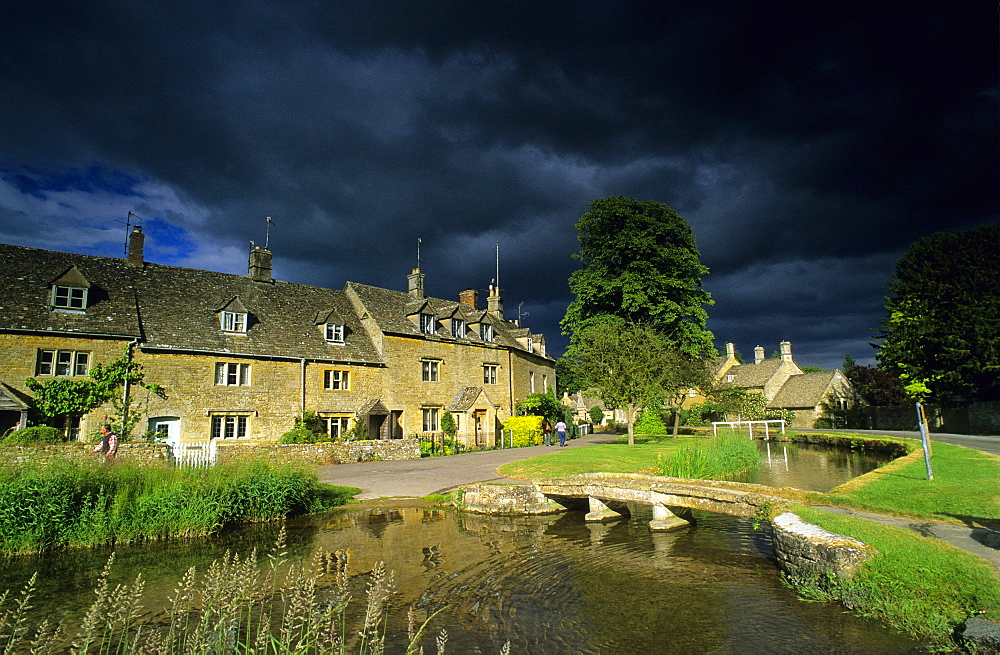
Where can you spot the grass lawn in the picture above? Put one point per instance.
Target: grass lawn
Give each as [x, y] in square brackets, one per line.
[601, 458]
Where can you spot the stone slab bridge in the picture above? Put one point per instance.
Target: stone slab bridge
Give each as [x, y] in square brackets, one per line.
[801, 550]
[606, 496]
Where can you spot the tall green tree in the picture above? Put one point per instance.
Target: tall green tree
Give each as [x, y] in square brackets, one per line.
[639, 261]
[941, 334]
[633, 366]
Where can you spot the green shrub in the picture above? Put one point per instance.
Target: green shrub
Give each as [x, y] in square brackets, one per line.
[649, 423]
[308, 428]
[823, 423]
[39, 434]
[596, 415]
[703, 414]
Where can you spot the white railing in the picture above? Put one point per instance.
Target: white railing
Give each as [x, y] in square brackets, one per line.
[736, 425]
[193, 454]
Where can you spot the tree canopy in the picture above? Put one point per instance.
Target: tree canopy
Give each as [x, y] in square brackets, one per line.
[941, 334]
[633, 366]
[639, 262]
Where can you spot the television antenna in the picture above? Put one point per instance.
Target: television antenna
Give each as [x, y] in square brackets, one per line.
[267, 233]
[128, 227]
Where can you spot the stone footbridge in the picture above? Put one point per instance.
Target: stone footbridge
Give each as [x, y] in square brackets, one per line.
[607, 495]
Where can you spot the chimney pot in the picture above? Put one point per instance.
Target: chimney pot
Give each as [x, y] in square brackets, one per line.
[469, 297]
[260, 265]
[758, 354]
[786, 351]
[415, 281]
[135, 241]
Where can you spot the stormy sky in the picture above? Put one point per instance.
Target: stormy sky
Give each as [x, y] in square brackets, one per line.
[807, 144]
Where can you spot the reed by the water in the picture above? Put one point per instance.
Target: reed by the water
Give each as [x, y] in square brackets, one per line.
[725, 455]
[72, 504]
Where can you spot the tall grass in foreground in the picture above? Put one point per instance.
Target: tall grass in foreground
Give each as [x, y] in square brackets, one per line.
[237, 605]
[65, 503]
[726, 455]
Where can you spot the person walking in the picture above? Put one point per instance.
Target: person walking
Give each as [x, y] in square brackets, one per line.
[561, 430]
[108, 444]
[546, 432]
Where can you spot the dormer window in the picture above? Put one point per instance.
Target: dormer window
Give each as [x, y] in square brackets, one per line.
[335, 333]
[427, 323]
[69, 298]
[531, 344]
[234, 322]
[730, 377]
[486, 332]
[458, 328]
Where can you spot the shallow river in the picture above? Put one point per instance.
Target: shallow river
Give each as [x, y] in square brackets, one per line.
[546, 584]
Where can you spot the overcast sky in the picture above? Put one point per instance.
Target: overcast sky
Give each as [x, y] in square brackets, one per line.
[807, 144]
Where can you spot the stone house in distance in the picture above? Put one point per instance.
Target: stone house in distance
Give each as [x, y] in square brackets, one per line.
[785, 385]
[240, 357]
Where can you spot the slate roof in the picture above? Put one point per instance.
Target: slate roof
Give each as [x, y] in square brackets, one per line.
[175, 308]
[389, 310]
[465, 398]
[753, 375]
[805, 390]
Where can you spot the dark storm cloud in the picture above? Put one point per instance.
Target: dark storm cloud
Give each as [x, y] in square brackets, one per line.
[807, 146]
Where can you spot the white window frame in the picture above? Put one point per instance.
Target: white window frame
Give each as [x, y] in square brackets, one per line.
[428, 323]
[337, 380]
[531, 344]
[70, 298]
[234, 322]
[431, 419]
[230, 426]
[490, 373]
[335, 333]
[232, 374]
[486, 332]
[62, 363]
[531, 381]
[430, 370]
[458, 328]
[336, 426]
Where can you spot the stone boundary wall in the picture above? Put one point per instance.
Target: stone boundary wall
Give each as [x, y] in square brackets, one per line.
[146, 454]
[808, 553]
[320, 453]
[508, 500]
[891, 446]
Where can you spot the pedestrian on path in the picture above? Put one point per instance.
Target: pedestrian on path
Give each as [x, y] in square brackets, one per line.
[561, 430]
[108, 445]
[546, 432]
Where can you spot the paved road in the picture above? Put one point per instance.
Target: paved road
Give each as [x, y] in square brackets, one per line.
[415, 478]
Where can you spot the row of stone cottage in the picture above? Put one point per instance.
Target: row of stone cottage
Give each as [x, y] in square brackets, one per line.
[240, 357]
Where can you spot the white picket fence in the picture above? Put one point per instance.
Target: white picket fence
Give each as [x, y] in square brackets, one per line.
[193, 454]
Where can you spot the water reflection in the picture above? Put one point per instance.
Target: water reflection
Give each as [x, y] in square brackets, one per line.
[812, 467]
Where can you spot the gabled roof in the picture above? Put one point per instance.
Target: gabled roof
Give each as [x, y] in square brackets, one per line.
[468, 397]
[807, 390]
[753, 375]
[72, 278]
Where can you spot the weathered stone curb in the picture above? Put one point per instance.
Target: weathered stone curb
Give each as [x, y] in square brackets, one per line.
[508, 500]
[808, 552]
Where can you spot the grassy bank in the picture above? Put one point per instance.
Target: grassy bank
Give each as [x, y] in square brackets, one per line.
[69, 504]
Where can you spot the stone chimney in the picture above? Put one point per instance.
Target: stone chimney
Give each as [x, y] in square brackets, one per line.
[494, 303]
[469, 297]
[786, 352]
[415, 281]
[758, 354]
[260, 265]
[135, 240]
[730, 349]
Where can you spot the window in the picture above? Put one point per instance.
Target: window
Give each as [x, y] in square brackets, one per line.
[531, 381]
[843, 403]
[531, 343]
[431, 416]
[62, 363]
[232, 375]
[336, 426]
[334, 333]
[458, 328]
[69, 298]
[427, 323]
[486, 332]
[234, 322]
[336, 380]
[490, 373]
[229, 426]
[545, 383]
[430, 371]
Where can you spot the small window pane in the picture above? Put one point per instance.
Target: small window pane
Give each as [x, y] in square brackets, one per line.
[45, 361]
[64, 362]
[82, 363]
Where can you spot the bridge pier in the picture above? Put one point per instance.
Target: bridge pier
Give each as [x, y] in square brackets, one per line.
[664, 519]
[599, 511]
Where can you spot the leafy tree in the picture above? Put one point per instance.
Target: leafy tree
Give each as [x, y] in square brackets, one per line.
[596, 415]
[542, 404]
[633, 366]
[940, 333]
[811, 369]
[639, 262]
[877, 387]
[566, 380]
[62, 397]
[849, 363]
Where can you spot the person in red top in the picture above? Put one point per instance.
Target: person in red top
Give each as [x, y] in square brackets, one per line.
[109, 443]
